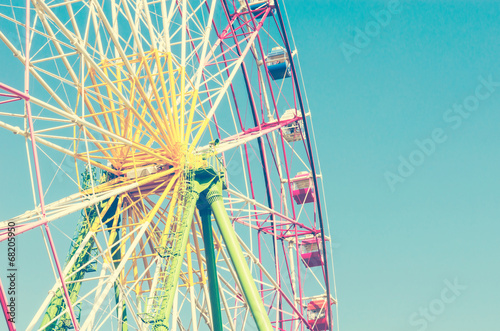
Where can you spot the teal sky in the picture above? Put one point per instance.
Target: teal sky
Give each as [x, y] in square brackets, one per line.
[397, 250]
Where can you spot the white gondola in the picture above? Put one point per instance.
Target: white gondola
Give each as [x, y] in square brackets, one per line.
[295, 130]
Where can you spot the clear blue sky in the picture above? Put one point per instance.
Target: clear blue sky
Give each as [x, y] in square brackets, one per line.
[401, 248]
[441, 223]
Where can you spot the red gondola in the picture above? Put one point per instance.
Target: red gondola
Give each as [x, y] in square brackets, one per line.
[310, 251]
[303, 188]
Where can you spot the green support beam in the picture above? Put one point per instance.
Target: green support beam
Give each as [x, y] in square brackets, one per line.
[123, 320]
[173, 278]
[203, 188]
[213, 282]
[90, 217]
[56, 304]
[254, 301]
[121, 309]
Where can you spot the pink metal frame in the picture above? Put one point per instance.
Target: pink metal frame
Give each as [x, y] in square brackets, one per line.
[5, 309]
[288, 227]
[270, 229]
[16, 95]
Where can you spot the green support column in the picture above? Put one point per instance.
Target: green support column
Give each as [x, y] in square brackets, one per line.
[196, 182]
[116, 256]
[123, 308]
[213, 283]
[57, 304]
[205, 185]
[90, 217]
[173, 280]
[214, 198]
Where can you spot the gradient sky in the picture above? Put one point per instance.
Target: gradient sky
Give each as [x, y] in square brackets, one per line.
[398, 250]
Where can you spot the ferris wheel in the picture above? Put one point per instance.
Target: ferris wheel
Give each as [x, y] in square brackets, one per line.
[173, 167]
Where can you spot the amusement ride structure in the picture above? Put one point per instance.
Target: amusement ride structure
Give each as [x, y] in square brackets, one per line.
[170, 148]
